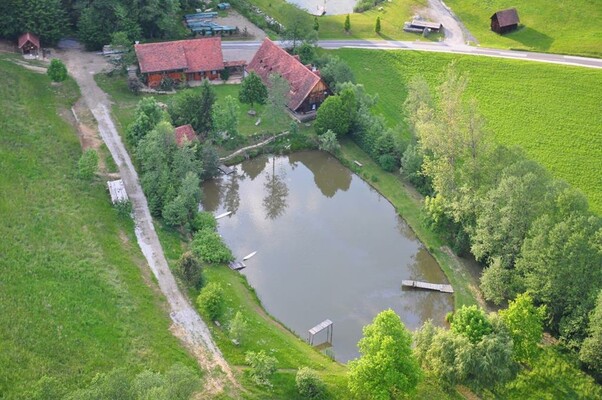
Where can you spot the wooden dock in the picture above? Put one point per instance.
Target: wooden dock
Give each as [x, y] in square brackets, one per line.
[225, 169]
[237, 265]
[439, 287]
[326, 324]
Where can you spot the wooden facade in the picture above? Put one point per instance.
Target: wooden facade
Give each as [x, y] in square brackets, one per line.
[315, 98]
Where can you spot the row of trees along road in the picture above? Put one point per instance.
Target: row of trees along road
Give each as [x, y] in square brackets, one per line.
[93, 21]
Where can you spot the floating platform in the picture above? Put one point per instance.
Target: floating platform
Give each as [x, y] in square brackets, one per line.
[225, 169]
[237, 265]
[439, 287]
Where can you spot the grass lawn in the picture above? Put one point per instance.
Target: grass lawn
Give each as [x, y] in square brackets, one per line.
[554, 114]
[392, 17]
[74, 300]
[570, 27]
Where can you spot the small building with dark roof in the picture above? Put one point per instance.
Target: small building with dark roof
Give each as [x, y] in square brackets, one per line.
[29, 43]
[181, 60]
[307, 89]
[505, 21]
[185, 133]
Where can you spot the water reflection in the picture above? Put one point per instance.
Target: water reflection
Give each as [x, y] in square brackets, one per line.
[276, 192]
[230, 190]
[252, 168]
[329, 175]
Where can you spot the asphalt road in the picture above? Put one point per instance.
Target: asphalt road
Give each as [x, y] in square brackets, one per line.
[438, 47]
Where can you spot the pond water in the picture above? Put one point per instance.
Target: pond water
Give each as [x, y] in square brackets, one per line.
[328, 247]
[332, 7]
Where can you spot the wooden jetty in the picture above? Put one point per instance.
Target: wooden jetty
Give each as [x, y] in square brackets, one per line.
[326, 324]
[223, 215]
[237, 265]
[117, 191]
[225, 169]
[439, 287]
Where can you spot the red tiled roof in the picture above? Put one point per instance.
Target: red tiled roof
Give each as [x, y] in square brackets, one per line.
[194, 55]
[271, 59]
[236, 63]
[185, 132]
[506, 17]
[24, 38]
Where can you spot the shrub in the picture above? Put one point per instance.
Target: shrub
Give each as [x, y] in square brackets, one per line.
[57, 71]
[388, 162]
[262, 367]
[309, 384]
[189, 269]
[238, 327]
[224, 74]
[204, 220]
[211, 300]
[87, 164]
[209, 247]
[329, 142]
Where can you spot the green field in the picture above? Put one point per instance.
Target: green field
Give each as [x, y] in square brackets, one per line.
[568, 27]
[552, 111]
[75, 296]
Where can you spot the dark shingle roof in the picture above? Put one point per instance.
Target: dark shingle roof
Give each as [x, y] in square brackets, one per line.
[506, 17]
[194, 55]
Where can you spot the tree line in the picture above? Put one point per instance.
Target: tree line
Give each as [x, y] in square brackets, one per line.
[93, 21]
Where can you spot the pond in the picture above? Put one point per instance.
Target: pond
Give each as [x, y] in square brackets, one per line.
[328, 247]
[332, 7]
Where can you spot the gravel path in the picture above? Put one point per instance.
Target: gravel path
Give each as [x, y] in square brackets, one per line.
[187, 324]
[455, 31]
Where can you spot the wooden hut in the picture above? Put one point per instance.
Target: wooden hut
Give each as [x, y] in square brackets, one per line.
[504, 21]
[29, 43]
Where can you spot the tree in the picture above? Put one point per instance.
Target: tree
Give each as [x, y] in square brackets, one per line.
[87, 164]
[225, 117]
[275, 111]
[377, 26]
[525, 324]
[333, 115]
[336, 72]
[386, 368]
[306, 52]
[238, 327]
[316, 24]
[262, 367]
[207, 99]
[309, 384]
[497, 282]
[189, 269]
[185, 108]
[297, 28]
[46, 18]
[204, 220]
[180, 210]
[210, 159]
[347, 25]
[209, 247]
[591, 351]
[57, 71]
[253, 90]
[211, 300]
[328, 142]
[471, 322]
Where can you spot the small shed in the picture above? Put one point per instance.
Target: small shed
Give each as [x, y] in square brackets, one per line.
[505, 21]
[29, 43]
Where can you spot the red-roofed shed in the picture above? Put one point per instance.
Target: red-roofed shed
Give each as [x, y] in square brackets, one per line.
[308, 90]
[185, 133]
[29, 43]
[190, 60]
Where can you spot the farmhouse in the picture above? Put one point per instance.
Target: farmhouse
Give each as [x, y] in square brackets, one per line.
[29, 43]
[185, 133]
[504, 21]
[307, 89]
[181, 60]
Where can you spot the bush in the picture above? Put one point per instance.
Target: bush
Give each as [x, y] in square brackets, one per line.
[57, 71]
[209, 247]
[211, 300]
[204, 220]
[262, 367]
[224, 74]
[238, 327]
[388, 162]
[309, 384]
[189, 269]
[124, 208]
[87, 164]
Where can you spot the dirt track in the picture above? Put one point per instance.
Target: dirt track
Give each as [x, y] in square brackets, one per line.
[187, 325]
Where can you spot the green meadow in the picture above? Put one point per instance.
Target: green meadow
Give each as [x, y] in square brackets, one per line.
[552, 111]
[568, 27]
[75, 296]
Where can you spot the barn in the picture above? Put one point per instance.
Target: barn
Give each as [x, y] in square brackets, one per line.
[29, 43]
[505, 21]
[307, 89]
[181, 60]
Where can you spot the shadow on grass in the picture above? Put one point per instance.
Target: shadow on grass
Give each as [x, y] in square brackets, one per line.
[531, 38]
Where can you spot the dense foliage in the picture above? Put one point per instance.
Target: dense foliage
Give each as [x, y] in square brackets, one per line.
[211, 300]
[262, 367]
[252, 90]
[209, 246]
[57, 71]
[309, 384]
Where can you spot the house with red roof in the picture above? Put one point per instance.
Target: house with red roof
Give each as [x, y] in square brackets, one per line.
[181, 60]
[307, 89]
[29, 43]
[185, 133]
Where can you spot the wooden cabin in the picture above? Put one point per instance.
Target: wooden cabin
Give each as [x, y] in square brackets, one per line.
[307, 89]
[505, 21]
[181, 60]
[29, 44]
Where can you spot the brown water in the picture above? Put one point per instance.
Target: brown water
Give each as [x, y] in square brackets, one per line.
[328, 247]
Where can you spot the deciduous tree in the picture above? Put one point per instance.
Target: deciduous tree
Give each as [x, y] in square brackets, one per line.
[225, 118]
[253, 90]
[525, 324]
[211, 300]
[332, 115]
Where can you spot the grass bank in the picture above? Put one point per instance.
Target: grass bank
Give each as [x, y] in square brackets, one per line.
[75, 297]
[568, 27]
[551, 111]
